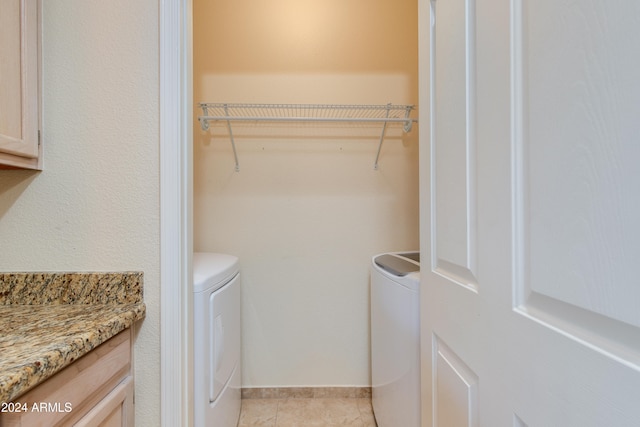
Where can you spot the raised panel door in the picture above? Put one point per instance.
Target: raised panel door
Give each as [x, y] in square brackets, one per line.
[530, 196]
[19, 84]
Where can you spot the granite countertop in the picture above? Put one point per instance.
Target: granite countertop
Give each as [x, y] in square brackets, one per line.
[49, 320]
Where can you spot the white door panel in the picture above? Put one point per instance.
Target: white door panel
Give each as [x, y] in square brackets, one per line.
[578, 174]
[453, 142]
[530, 198]
[455, 387]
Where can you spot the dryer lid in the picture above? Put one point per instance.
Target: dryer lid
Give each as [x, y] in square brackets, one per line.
[213, 270]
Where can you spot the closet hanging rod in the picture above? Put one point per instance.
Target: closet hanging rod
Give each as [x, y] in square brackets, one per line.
[406, 122]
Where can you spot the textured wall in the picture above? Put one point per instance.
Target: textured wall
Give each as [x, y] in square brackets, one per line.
[95, 205]
[306, 211]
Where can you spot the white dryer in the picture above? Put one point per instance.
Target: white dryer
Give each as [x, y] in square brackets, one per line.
[217, 371]
[395, 339]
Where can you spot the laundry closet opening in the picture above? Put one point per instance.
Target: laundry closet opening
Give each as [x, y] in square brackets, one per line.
[306, 210]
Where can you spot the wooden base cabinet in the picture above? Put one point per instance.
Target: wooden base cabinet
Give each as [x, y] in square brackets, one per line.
[95, 391]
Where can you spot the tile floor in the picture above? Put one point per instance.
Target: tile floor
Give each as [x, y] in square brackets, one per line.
[303, 412]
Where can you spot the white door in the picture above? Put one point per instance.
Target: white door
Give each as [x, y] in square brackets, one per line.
[530, 188]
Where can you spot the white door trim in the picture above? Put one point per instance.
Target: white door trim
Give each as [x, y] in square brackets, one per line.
[176, 235]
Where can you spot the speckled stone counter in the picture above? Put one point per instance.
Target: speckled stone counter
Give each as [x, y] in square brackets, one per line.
[49, 320]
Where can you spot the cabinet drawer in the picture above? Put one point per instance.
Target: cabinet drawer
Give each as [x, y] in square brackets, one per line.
[67, 396]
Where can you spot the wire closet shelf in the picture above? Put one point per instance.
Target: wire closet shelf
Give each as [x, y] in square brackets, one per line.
[384, 114]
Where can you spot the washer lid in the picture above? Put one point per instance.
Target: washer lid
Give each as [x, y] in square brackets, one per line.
[413, 256]
[212, 269]
[396, 265]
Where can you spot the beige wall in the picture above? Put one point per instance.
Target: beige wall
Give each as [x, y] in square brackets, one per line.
[95, 206]
[306, 211]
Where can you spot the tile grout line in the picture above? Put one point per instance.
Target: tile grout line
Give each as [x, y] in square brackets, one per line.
[306, 392]
[277, 410]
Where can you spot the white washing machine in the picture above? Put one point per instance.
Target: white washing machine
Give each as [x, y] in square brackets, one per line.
[395, 339]
[217, 372]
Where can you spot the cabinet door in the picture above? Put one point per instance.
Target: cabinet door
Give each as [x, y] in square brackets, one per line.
[19, 83]
[115, 410]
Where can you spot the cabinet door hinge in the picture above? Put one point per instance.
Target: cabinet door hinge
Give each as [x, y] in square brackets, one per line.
[39, 139]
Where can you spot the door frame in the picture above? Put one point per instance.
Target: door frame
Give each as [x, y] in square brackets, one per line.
[176, 205]
[176, 196]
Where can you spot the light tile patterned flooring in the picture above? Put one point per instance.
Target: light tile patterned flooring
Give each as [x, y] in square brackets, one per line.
[303, 412]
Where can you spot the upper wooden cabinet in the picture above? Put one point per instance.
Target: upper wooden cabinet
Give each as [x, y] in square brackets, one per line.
[20, 146]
